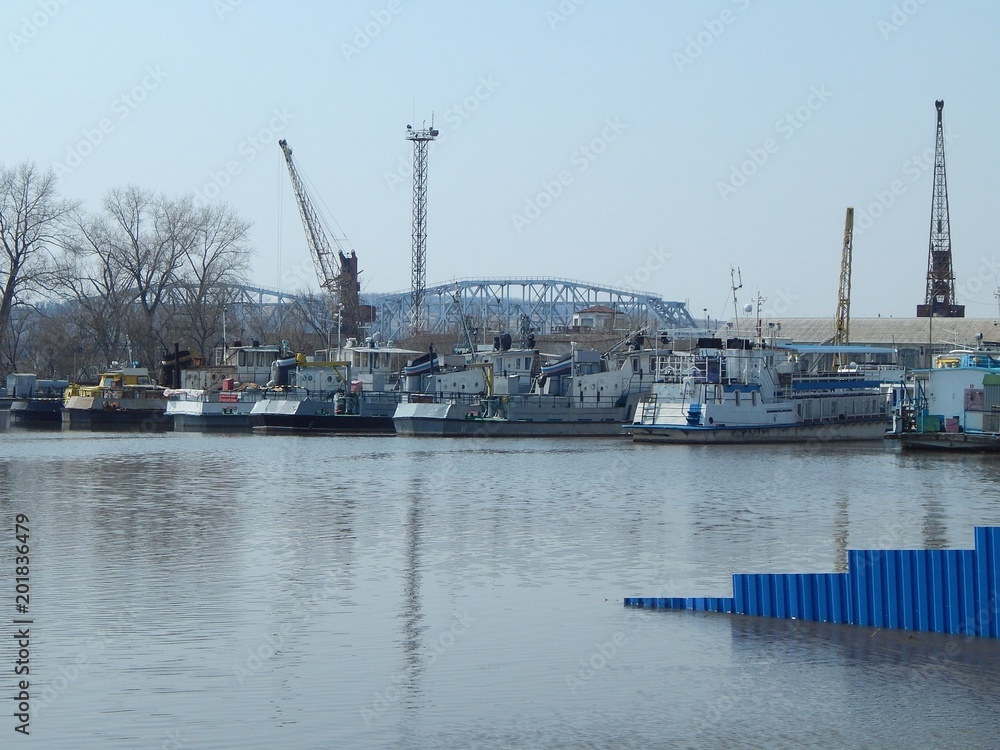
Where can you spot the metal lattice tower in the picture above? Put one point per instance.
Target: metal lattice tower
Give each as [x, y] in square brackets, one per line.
[418, 282]
[842, 325]
[939, 301]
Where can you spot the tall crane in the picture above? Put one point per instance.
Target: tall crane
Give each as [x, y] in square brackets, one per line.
[842, 324]
[339, 278]
[939, 301]
[418, 285]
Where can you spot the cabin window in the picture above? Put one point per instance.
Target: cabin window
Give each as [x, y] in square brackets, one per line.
[375, 359]
[242, 358]
[517, 363]
[635, 364]
[737, 398]
[753, 398]
[527, 363]
[261, 359]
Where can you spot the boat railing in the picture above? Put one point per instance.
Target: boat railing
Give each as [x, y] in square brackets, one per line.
[441, 397]
[552, 401]
[297, 393]
[382, 397]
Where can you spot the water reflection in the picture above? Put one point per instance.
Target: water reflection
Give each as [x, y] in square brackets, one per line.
[255, 591]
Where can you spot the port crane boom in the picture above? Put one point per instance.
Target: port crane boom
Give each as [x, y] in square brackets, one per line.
[337, 276]
[842, 324]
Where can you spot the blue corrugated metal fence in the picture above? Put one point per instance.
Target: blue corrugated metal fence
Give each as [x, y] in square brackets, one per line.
[940, 591]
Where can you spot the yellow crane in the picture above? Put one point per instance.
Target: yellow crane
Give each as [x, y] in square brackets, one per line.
[842, 323]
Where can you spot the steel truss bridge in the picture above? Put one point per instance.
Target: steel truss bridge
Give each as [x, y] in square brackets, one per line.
[546, 305]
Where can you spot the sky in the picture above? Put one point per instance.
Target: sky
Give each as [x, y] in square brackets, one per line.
[642, 145]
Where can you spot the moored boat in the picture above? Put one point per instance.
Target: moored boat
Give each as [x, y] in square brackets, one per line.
[953, 406]
[508, 393]
[742, 391]
[35, 402]
[219, 397]
[126, 397]
[350, 390]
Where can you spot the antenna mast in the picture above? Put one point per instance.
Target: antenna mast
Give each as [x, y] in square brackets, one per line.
[733, 274]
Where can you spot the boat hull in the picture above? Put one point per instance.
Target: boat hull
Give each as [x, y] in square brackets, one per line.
[373, 415]
[214, 422]
[821, 432]
[948, 441]
[459, 420]
[149, 420]
[36, 412]
[331, 424]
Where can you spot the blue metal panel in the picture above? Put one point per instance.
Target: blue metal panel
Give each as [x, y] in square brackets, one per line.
[875, 579]
[740, 593]
[938, 600]
[953, 601]
[765, 604]
[968, 587]
[753, 597]
[921, 598]
[907, 600]
[824, 596]
[857, 568]
[840, 607]
[893, 588]
[804, 608]
[988, 571]
[779, 596]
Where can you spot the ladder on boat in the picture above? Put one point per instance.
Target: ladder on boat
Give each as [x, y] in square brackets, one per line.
[648, 406]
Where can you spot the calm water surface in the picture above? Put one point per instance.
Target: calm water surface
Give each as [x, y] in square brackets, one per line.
[260, 591]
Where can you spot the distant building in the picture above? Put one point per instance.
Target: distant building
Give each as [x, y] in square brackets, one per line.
[597, 318]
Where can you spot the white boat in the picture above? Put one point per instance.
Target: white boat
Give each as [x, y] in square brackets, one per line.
[742, 391]
[954, 406]
[221, 395]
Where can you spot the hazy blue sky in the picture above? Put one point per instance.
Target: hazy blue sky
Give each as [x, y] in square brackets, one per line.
[644, 144]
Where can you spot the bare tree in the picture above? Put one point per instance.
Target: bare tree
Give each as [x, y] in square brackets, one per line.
[217, 259]
[149, 240]
[97, 288]
[31, 221]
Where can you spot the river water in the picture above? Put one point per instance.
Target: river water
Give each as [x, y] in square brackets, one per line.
[261, 591]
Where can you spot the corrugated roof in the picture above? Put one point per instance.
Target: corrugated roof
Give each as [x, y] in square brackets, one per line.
[889, 331]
